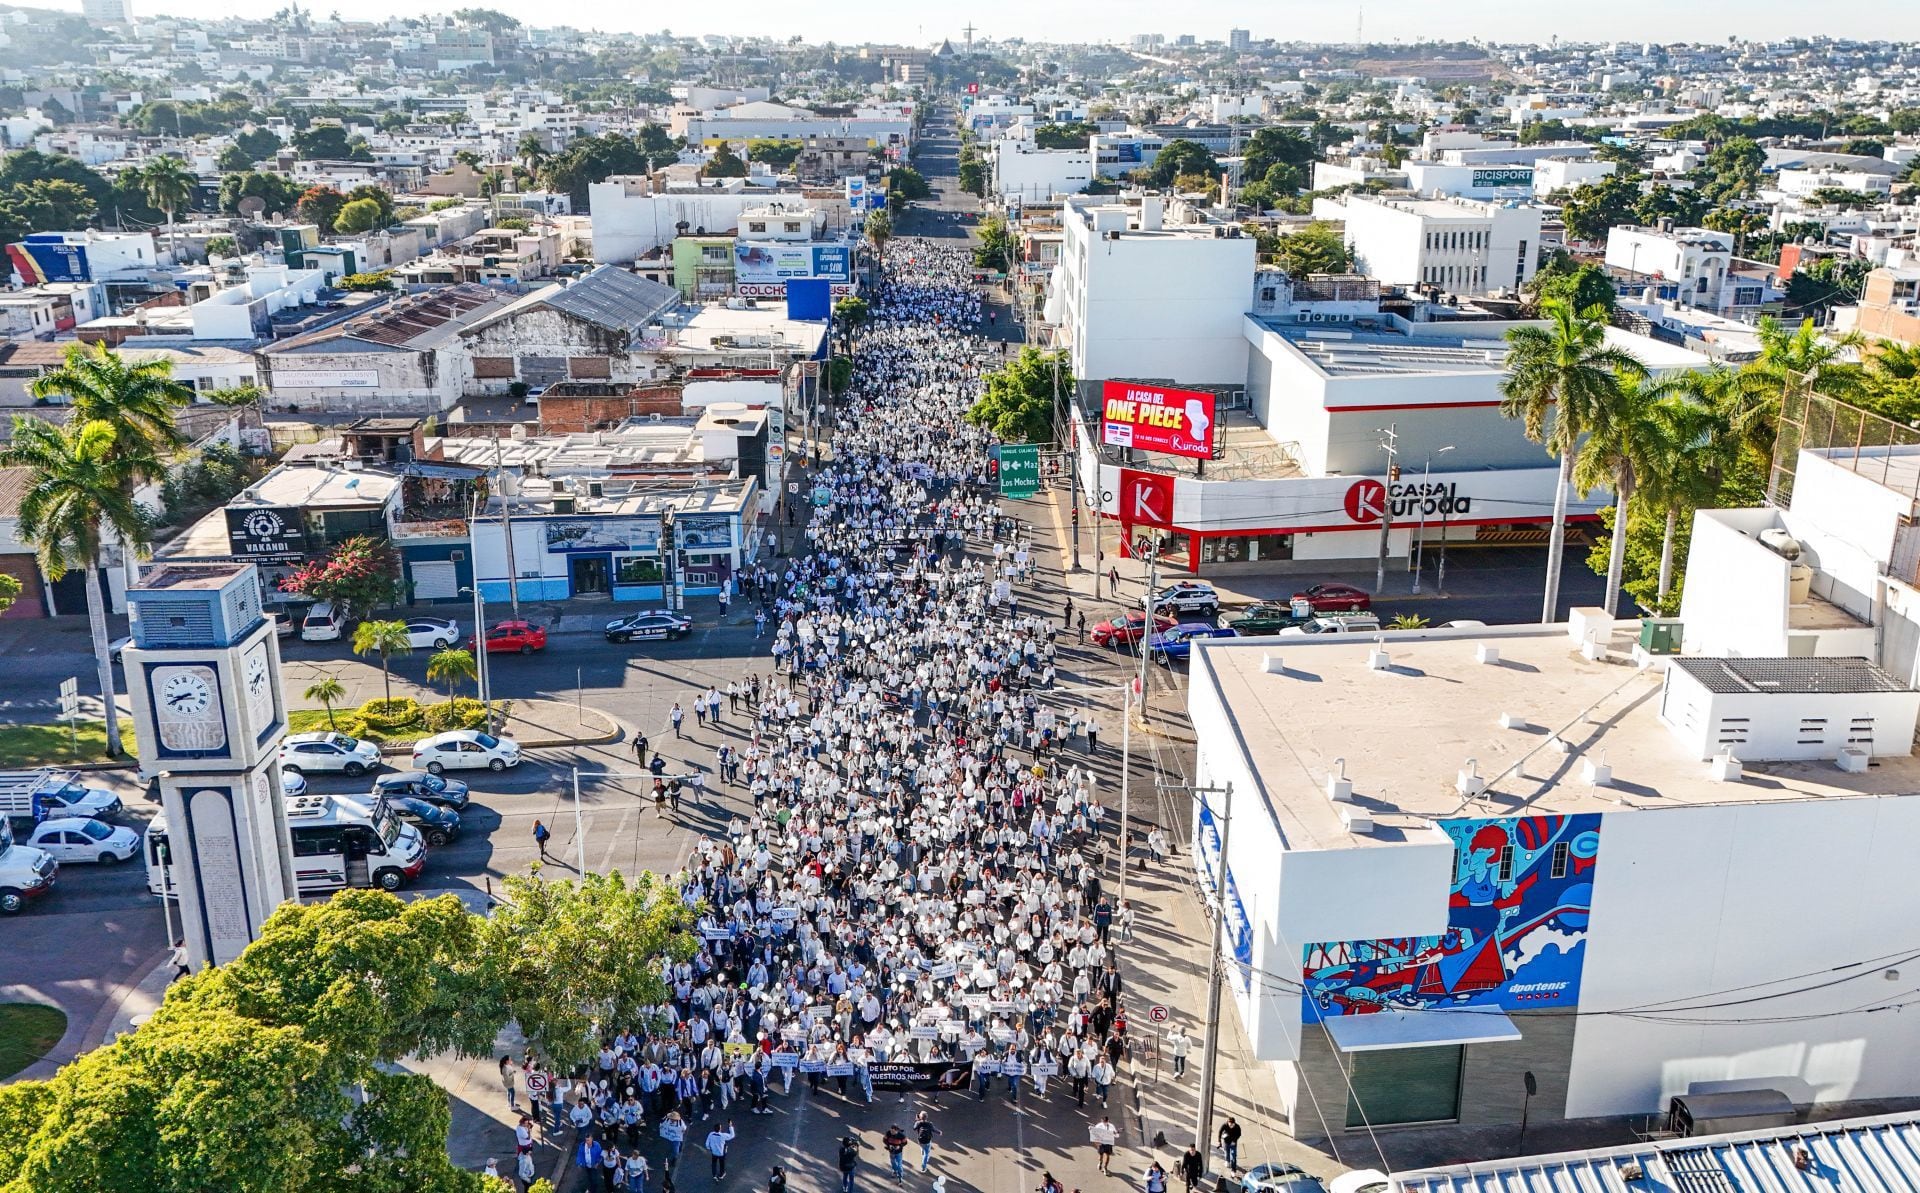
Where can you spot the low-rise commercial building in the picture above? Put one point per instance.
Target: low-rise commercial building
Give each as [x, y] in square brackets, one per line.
[1459, 246]
[407, 356]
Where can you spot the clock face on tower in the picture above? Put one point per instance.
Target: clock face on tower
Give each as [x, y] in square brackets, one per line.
[259, 685]
[186, 707]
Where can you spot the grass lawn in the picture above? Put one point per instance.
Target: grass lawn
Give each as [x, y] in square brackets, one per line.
[28, 1031]
[52, 745]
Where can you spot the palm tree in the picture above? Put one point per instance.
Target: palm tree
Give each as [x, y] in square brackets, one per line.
[168, 185]
[879, 231]
[1569, 369]
[328, 692]
[530, 150]
[1802, 362]
[1638, 439]
[78, 492]
[1693, 454]
[388, 638]
[141, 401]
[455, 667]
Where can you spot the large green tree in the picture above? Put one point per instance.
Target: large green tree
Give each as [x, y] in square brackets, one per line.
[1563, 382]
[1315, 248]
[1019, 400]
[570, 959]
[1180, 157]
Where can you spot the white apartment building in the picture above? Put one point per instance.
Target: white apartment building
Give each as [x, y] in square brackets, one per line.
[1697, 258]
[1022, 170]
[1800, 183]
[1458, 245]
[1137, 298]
[1565, 173]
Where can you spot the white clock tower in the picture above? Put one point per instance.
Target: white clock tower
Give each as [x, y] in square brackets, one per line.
[204, 675]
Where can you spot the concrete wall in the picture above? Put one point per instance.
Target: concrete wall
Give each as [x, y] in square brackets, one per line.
[541, 340]
[422, 382]
[1710, 905]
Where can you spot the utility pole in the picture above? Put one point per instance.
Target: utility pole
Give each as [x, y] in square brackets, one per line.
[1210, 1058]
[506, 522]
[1126, 724]
[1417, 558]
[1391, 446]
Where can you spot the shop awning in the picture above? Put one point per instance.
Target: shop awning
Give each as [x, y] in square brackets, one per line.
[1420, 1029]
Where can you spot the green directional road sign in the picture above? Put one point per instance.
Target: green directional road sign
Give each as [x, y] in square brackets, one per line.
[1019, 469]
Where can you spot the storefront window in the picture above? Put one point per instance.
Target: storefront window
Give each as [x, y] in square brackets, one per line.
[1246, 548]
[636, 569]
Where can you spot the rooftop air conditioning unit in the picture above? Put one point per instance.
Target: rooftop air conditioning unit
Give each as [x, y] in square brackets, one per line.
[563, 503]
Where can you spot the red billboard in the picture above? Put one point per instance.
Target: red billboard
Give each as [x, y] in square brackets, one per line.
[1157, 419]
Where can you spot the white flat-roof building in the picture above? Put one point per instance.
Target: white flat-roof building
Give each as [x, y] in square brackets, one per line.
[1697, 258]
[1457, 245]
[1500, 851]
[1137, 297]
[1023, 171]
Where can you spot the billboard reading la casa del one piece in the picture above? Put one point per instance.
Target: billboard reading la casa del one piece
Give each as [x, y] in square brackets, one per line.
[1156, 418]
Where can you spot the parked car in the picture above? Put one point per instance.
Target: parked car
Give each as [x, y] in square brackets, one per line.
[1337, 623]
[438, 825]
[1280, 1178]
[1268, 617]
[303, 752]
[656, 623]
[292, 782]
[116, 646]
[418, 784]
[1187, 596]
[1177, 643]
[323, 623]
[1125, 629]
[282, 620]
[73, 839]
[510, 637]
[1360, 1180]
[465, 749]
[432, 633]
[1336, 598]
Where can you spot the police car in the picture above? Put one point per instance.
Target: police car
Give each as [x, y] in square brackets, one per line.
[657, 623]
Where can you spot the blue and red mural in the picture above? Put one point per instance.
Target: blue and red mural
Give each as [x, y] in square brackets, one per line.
[1516, 928]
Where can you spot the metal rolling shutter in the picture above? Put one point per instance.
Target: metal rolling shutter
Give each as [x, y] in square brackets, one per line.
[435, 581]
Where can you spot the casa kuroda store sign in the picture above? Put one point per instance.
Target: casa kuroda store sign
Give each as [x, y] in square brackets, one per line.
[1155, 418]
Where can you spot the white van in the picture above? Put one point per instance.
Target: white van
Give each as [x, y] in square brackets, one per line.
[323, 623]
[338, 841]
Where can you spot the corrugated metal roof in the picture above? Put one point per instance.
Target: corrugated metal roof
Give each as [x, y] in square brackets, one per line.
[1863, 1155]
[614, 298]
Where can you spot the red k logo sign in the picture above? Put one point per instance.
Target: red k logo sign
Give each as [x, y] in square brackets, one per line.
[1146, 499]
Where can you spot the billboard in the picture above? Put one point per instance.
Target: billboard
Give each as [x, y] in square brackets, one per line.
[765, 261]
[1156, 418]
[1514, 176]
[1518, 906]
[856, 193]
[1127, 153]
[602, 534]
[38, 261]
[274, 532]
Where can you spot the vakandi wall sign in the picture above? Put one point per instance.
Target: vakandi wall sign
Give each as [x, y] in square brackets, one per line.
[1157, 418]
[270, 532]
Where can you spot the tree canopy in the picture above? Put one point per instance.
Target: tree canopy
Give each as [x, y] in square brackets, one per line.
[1018, 402]
[1180, 157]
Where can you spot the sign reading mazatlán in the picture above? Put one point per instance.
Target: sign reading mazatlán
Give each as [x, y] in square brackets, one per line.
[1157, 419]
[1509, 177]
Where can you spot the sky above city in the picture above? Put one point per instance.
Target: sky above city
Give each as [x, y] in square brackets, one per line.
[851, 21]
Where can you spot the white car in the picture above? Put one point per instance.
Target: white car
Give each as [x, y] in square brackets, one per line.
[292, 782]
[72, 839]
[87, 803]
[1335, 623]
[1360, 1180]
[303, 752]
[432, 633]
[465, 749]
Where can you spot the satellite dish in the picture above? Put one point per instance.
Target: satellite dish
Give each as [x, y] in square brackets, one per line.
[252, 206]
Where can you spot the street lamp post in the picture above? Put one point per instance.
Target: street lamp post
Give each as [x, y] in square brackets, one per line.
[1419, 539]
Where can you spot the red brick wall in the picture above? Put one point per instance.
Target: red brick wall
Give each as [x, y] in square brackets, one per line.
[563, 414]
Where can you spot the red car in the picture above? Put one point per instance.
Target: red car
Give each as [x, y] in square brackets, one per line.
[511, 636]
[1125, 629]
[1336, 598]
